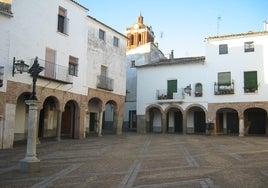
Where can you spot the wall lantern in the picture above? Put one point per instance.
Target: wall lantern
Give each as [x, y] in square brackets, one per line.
[1, 75]
[20, 66]
[188, 90]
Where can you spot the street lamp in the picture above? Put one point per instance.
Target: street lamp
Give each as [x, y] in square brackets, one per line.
[34, 72]
[188, 89]
[20, 66]
[31, 163]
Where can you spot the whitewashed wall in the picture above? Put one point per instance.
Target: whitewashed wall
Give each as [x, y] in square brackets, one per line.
[34, 28]
[104, 53]
[236, 61]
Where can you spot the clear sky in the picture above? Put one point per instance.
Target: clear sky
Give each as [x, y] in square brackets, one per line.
[182, 25]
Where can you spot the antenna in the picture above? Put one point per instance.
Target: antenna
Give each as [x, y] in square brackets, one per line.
[218, 24]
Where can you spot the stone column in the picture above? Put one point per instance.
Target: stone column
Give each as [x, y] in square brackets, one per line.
[59, 118]
[241, 127]
[164, 123]
[31, 163]
[115, 122]
[100, 122]
[184, 123]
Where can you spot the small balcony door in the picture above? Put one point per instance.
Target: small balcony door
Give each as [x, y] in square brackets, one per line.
[50, 63]
[171, 88]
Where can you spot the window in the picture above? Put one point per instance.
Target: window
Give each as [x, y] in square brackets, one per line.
[225, 85]
[250, 82]
[223, 49]
[73, 65]
[249, 46]
[104, 71]
[101, 34]
[62, 20]
[198, 90]
[224, 78]
[116, 42]
[132, 63]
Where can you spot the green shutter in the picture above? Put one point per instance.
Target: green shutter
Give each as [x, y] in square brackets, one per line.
[171, 88]
[250, 80]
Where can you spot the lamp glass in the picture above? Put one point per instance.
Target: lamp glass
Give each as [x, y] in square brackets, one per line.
[21, 67]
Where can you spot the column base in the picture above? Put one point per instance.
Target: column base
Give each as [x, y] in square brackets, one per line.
[30, 164]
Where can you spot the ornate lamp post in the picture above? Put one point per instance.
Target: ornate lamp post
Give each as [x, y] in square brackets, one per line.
[31, 163]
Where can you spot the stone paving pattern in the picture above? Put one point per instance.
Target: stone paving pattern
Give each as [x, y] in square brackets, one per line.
[142, 160]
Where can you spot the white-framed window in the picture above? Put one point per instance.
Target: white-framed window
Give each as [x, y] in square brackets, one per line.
[249, 46]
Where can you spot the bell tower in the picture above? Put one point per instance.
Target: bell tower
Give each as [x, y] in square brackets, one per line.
[139, 34]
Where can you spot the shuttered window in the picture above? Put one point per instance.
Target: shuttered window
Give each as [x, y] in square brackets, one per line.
[224, 78]
[250, 82]
[171, 88]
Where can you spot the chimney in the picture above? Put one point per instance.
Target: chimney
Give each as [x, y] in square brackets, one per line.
[172, 54]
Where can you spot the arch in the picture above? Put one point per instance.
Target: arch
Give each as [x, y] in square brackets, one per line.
[174, 119]
[227, 121]
[154, 115]
[70, 120]
[48, 118]
[21, 117]
[93, 116]
[255, 121]
[131, 39]
[196, 119]
[110, 117]
[139, 39]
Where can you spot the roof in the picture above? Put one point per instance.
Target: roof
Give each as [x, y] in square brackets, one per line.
[80, 5]
[107, 26]
[176, 61]
[248, 34]
[5, 9]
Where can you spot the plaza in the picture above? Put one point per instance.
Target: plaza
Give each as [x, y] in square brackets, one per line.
[142, 160]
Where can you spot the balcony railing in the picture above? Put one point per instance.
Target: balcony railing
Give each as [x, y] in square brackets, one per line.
[165, 95]
[223, 89]
[104, 82]
[55, 72]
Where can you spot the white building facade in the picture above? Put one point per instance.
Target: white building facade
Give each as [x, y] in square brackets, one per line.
[227, 88]
[60, 34]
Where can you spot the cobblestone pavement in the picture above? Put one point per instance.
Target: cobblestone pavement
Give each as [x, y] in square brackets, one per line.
[137, 161]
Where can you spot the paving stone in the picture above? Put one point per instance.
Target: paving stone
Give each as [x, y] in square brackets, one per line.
[142, 160]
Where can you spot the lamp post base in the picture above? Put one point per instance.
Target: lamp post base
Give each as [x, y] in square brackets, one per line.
[30, 164]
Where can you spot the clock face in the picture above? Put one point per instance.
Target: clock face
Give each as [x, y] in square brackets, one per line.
[136, 26]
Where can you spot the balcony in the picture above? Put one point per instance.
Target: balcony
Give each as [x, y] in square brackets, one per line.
[164, 96]
[55, 72]
[104, 82]
[224, 89]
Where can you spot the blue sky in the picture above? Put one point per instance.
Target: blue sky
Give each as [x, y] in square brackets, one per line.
[182, 25]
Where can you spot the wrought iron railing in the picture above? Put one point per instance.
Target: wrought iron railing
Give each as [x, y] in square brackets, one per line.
[163, 94]
[55, 71]
[104, 82]
[224, 89]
